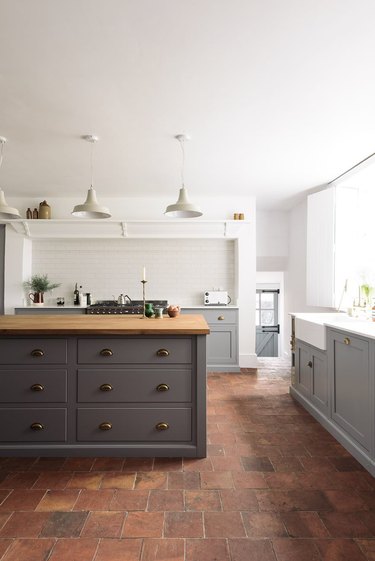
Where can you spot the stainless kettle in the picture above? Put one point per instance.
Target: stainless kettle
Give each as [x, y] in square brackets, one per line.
[123, 299]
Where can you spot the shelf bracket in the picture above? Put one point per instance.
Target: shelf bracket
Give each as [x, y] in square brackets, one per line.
[124, 229]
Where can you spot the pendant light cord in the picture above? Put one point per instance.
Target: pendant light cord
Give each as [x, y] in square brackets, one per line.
[92, 164]
[183, 162]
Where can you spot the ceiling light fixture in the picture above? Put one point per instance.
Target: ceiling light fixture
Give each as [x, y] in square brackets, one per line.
[91, 208]
[183, 208]
[6, 212]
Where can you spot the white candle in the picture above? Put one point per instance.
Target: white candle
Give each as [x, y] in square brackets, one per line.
[144, 273]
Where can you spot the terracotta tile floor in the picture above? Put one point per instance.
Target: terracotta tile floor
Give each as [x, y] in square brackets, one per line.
[275, 487]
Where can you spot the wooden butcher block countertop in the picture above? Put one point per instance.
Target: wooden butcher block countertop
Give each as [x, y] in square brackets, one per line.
[184, 324]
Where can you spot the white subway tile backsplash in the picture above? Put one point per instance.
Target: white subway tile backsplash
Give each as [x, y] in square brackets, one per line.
[177, 270]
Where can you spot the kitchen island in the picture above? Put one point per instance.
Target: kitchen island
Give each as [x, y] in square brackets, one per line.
[103, 385]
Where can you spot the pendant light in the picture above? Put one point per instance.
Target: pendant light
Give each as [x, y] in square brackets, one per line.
[91, 208]
[183, 208]
[6, 212]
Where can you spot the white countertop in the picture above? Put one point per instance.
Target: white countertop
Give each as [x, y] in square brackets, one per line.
[364, 328]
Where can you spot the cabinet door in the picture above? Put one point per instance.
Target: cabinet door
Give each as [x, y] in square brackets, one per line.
[303, 369]
[319, 381]
[351, 407]
[222, 345]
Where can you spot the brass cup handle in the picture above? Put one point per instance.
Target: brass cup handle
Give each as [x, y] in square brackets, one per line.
[37, 426]
[162, 352]
[37, 353]
[106, 352]
[37, 388]
[309, 364]
[347, 341]
[105, 426]
[221, 318]
[162, 426]
[106, 388]
[162, 388]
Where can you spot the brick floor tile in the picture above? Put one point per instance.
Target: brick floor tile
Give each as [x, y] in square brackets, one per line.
[108, 464]
[215, 450]
[367, 547]
[304, 525]
[138, 464]
[287, 464]
[64, 524]
[200, 464]
[251, 550]
[58, 500]
[78, 464]
[67, 549]
[160, 500]
[119, 550]
[4, 517]
[20, 480]
[4, 545]
[345, 501]
[345, 525]
[163, 550]
[24, 525]
[22, 499]
[276, 500]
[283, 480]
[216, 480]
[340, 550]
[47, 464]
[202, 500]
[346, 464]
[151, 480]
[53, 480]
[125, 499]
[288, 549]
[207, 550]
[143, 525]
[243, 499]
[114, 480]
[224, 463]
[183, 480]
[104, 524]
[29, 550]
[254, 463]
[183, 525]
[263, 525]
[219, 524]
[94, 500]
[85, 480]
[168, 464]
[249, 480]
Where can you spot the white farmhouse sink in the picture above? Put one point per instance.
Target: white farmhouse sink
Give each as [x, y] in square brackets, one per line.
[311, 328]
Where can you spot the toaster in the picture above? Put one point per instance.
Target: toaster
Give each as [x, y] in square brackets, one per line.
[216, 298]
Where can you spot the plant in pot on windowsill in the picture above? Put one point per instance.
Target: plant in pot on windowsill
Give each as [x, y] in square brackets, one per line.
[38, 285]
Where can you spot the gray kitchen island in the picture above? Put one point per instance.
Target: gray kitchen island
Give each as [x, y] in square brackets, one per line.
[103, 385]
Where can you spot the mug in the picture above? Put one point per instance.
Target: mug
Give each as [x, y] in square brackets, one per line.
[159, 313]
[36, 297]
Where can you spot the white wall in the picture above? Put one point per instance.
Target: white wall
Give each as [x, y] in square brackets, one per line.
[177, 270]
[272, 245]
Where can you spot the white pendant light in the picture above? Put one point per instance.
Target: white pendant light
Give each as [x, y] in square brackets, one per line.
[91, 208]
[183, 208]
[6, 212]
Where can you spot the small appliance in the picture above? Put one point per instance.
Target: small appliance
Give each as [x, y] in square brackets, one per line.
[216, 298]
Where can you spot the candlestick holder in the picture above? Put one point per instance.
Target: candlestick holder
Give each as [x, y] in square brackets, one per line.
[144, 298]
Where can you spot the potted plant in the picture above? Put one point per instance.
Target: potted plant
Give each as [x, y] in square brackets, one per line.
[39, 284]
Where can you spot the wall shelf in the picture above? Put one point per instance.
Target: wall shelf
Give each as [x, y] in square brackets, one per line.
[114, 229]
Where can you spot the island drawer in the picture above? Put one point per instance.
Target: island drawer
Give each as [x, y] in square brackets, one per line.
[33, 425]
[134, 351]
[220, 316]
[36, 351]
[142, 385]
[33, 386]
[134, 425]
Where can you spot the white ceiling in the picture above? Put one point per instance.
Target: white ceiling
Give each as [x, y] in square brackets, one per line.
[278, 96]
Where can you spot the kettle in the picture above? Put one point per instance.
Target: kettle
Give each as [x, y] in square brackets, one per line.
[123, 299]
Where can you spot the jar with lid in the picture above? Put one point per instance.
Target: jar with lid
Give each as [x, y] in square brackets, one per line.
[44, 210]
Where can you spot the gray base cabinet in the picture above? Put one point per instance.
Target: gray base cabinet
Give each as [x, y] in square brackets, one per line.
[337, 388]
[222, 342]
[311, 375]
[107, 395]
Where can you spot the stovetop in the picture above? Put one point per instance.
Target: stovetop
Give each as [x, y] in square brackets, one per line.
[113, 307]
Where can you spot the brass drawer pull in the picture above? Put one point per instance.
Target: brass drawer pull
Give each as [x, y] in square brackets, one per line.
[309, 364]
[106, 352]
[162, 388]
[162, 426]
[221, 318]
[37, 388]
[106, 388]
[105, 426]
[162, 352]
[37, 426]
[347, 341]
[37, 352]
